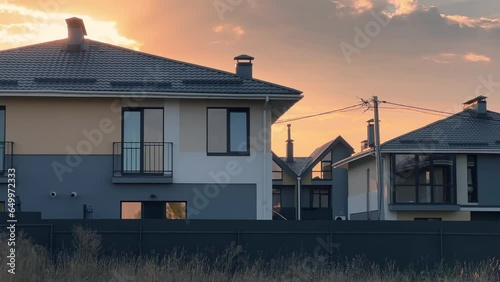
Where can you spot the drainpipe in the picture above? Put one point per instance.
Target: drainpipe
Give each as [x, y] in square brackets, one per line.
[298, 198]
[265, 144]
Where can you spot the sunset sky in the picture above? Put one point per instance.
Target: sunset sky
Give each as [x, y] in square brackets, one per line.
[429, 53]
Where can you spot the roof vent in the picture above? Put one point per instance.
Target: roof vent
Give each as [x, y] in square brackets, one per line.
[76, 35]
[478, 105]
[244, 65]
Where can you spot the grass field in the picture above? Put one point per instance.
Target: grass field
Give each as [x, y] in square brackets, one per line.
[33, 263]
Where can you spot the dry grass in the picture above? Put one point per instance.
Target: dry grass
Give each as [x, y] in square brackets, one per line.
[33, 263]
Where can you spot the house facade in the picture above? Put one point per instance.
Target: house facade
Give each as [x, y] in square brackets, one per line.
[322, 188]
[447, 170]
[99, 131]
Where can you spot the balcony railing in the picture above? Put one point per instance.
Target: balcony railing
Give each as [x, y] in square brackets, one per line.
[6, 156]
[142, 159]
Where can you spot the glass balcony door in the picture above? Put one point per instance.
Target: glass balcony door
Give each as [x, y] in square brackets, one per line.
[142, 148]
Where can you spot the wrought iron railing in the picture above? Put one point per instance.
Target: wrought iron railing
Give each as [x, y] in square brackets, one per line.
[6, 156]
[143, 159]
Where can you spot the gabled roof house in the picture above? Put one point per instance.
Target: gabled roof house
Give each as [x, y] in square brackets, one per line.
[447, 170]
[95, 130]
[322, 189]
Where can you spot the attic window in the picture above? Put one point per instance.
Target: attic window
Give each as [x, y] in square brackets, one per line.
[64, 80]
[4, 82]
[211, 81]
[140, 84]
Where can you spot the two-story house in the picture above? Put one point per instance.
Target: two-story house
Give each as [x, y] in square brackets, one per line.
[322, 188]
[100, 131]
[446, 170]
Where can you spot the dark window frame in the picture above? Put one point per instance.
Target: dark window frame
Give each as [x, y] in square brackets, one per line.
[164, 207]
[474, 184]
[416, 186]
[141, 110]
[320, 189]
[322, 171]
[230, 110]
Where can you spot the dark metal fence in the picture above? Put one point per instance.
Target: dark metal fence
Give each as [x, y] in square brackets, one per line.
[142, 158]
[419, 244]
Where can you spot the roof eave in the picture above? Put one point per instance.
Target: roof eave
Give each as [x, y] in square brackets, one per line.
[169, 95]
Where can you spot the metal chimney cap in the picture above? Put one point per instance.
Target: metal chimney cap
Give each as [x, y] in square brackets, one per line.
[244, 57]
[477, 99]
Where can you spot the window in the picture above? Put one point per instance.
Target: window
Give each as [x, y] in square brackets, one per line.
[2, 139]
[425, 179]
[142, 141]
[276, 198]
[323, 170]
[472, 179]
[2, 206]
[320, 198]
[228, 131]
[277, 172]
[176, 210]
[153, 210]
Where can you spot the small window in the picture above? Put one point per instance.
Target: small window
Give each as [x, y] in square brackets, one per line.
[131, 210]
[2, 206]
[176, 210]
[472, 179]
[321, 198]
[277, 172]
[227, 131]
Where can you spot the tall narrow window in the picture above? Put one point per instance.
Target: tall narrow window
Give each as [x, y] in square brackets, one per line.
[276, 198]
[472, 179]
[227, 131]
[143, 147]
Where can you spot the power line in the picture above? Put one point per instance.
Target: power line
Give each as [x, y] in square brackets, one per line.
[346, 109]
[414, 110]
[417, 108]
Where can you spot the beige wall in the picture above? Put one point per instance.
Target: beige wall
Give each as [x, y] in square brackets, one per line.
[449, 216]
[289, 179]
[59, 125]
[193, 123]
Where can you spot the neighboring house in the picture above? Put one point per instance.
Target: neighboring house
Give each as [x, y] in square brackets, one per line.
[100, 131]
[323, 189]
[447, 170]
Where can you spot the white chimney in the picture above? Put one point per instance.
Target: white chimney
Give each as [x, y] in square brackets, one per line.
[244, 65]
[76, 34]
[478, 105]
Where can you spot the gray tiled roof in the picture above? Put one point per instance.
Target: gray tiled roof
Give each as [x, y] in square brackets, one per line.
[465, 131]
[299, 164]
[108, 68]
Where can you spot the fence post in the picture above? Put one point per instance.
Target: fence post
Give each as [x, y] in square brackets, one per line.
[51, 238]
[140, 240]
[441, 250]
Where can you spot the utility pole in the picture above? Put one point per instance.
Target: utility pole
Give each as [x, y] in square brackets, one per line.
[378, 156]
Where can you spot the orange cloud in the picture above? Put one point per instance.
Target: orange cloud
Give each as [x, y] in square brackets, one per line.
[32, 26]
[405, 6]
[476, 58]
[236, 30]
[465, 21]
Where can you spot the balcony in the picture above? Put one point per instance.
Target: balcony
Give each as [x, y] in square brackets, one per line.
[142, 162]
[6, 159]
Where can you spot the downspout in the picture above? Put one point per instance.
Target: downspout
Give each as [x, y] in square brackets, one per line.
[298, 198]
[265, 144]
